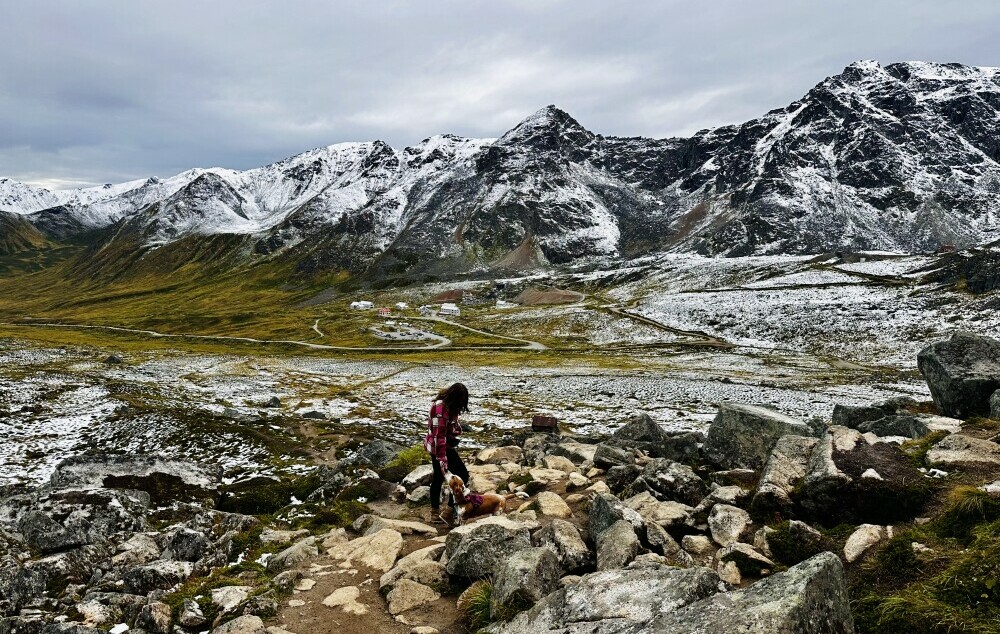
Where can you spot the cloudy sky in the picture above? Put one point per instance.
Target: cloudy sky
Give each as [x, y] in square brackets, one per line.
[111, 90]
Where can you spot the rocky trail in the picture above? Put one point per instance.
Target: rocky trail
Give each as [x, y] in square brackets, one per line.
[767, 524]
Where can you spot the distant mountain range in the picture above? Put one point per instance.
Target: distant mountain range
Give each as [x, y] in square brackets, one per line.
[903, 157]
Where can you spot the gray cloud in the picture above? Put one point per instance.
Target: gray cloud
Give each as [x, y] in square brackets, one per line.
[101, 92]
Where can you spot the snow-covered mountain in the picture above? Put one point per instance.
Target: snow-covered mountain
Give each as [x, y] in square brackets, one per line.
[904, 157]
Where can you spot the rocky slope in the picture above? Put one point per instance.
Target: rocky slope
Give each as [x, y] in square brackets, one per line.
[765, 525]
[902, 157]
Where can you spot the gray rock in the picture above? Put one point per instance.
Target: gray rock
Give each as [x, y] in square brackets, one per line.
[18, 585]
[660, 542]
[165, 481]
[605, 510]
[607, 456]
[616, 546]
[962, 373]
[854, 415]
[242, 625]
[785, 468]
[643, 433]
[69, 628]
[747, 559]
[611, 601]
[157, 575]
[959, 450]
[188, 545]
[563, 538]
[114, 359]
[44, 534]
[420, 476]
[728, 524]
[272, 402]
[742, 436]
[190, 614]
[293, 555]
[481, 549]
[896, 425]
[669, 481]
[155, 618]
[524, 578]
[810, 598]
[618, 478]
[839, 487]
[314, 415]
[376, 454]
[995, 405]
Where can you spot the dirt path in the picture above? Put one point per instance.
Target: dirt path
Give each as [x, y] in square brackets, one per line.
[528, 344]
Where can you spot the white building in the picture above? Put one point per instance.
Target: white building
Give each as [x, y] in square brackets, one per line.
[450, 309]
[362, 305]
[402, 306]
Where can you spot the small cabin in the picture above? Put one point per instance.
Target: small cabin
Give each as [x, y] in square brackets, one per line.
[362, 305]
[426, 311]
[384, 312]
[402, 305]
[450, 309]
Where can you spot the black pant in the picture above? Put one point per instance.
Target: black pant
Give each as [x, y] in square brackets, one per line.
[455, 465]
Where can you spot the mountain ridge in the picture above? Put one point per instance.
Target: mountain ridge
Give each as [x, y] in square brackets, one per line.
[903, 157]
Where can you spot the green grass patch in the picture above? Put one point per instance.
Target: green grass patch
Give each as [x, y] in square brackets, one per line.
[917, 449]
[405, 461]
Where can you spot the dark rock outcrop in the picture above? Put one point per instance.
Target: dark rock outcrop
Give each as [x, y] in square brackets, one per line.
[742, 436]
[962, 373]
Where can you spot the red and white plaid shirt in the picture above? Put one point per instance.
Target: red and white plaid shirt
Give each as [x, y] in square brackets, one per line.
[440, 427]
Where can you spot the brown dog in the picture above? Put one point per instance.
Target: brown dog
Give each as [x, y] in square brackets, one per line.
[469, 504]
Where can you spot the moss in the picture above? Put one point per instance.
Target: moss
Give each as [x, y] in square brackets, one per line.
[790, 550]
[917, 449]
[264, 496]
[405, 461]
[334, 515]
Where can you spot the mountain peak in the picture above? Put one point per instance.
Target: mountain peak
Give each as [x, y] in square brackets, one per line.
[549, 127]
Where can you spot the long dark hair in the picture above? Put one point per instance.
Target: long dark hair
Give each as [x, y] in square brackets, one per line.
[456, 399]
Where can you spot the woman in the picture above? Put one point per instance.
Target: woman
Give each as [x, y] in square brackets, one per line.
[443, 430]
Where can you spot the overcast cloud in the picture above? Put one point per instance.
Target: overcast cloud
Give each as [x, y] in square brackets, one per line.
[106, 91]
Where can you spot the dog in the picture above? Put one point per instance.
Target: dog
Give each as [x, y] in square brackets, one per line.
[469, 504]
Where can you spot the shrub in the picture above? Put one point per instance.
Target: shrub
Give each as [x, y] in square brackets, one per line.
[967, 508]
[405, 461]
[475, 605]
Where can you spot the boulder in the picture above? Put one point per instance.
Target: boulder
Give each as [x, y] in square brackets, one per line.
[346, 598]
[377, 551]
[728, 524]
[560, 463]
[190, 614]
[523, 579]
[669, 481]
[613, 601]
[863, 538]
[165, 481]
[643, 433]
[477, 550]
[853, 415]
[563, 538]
[420, 566]
[156, 575]
[228, 598]
[658, 540]
[551, 505]
[698, 546]
[500, 455]
[18, 585]
[663, 513]
[242, 625]
[408, 594]
[959, 450]
[46, 535]
[840, 484]
[293, 555]
[155, 618]
[376, 454]
[747, 559]
[904, 425]
[785, 468]
[188, 545]
[962, 373]
[607, 456]
[369, 524]
[272, 536]
[809, 598]
[578, 452]
[742, 436]
[419, 477]
[605, 510]
[616, 546]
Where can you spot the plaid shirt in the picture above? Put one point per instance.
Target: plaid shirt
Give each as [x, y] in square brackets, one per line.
[440, 427]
